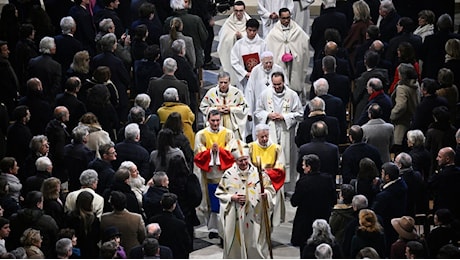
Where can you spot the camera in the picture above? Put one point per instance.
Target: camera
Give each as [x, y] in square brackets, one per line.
[221, 6]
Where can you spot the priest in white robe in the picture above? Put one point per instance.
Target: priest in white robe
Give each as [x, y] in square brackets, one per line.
[268, 11]
[290, 47]
[280, 108]
[246, 53]
[233, 29]
[302, 14]
[258, 82]
[230, 102]
[244, 208]
[270, 158]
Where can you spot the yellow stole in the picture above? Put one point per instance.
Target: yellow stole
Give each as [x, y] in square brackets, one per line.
[267, 155]
[212, 138]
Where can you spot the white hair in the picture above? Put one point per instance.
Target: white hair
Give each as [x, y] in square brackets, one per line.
[132, 131]
[262, 127]
[266, 54]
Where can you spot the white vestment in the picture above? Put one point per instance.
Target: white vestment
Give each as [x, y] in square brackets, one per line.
[227, 39]
[245, 226]
[243, 47]
[292, 40]
[302, 14]
[282, 132]
[234, 98]
[257, 83]
[266, 7]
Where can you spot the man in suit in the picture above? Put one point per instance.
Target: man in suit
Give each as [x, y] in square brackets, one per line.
[342, 65]
[334, 105]
[153, 231]
[444, 184]
[10, 84]
[86, 31]
[312, 184]
[131, 225]
[391, 201]
[360, 93]
[70, 101]
[378, 133]
[46, 69]
[174, 231]
[355, 152]
[66, 44]
[317, 112]
[389, 20]
[119, 74]
[328, 153]
[404, 28]
[157, 86]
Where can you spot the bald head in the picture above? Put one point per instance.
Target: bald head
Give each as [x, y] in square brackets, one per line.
[331, 48]
[61, 113]
[446, 156]
[153, 230]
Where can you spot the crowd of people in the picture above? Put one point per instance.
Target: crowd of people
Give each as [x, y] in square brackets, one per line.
[102, 156]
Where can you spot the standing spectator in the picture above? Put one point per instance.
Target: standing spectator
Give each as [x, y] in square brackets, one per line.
[88, 181]
[70, 101]
[24, 50]
[9, 168]
[77, 156]
[85, 25]
[405, 226]
[449, 90]
[405, 54]
[9, 25]
[159, 159]
[147, 16]
[357, 34]
[120, 75]
[138, 43]
[59, 137]
[19, 135]
[38, 147]
[311, 183]
[391, 201]
[97, 136]
[4, 233]
[86, 224]
[52, 204]
[8, 205]
[79, 67]
[120, 183]
[32, 241]
[433, 49]
[64, 248]
[369, 233]
[148, 137]
[153, 231]
[405, 34]
[103, 166]
[109, 11]
[131, 225]
[66, 44]
[9, 92]
[421, 157]
[378, 133]
[321, 234]
[387, 24]
[443, 232]
[452, 62]
[32, 216]
[426, 19]
[147, 68]
[342, 213]
[46, 69]
[44, 168]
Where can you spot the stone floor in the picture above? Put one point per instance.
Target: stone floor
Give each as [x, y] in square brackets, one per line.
[281, 237]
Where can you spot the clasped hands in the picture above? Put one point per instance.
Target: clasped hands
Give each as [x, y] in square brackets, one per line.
[241, 198]
[224, 109]
[275, 116]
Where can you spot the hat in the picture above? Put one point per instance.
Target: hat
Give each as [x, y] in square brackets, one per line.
[405, 226]
[111, 232]
[239, 149]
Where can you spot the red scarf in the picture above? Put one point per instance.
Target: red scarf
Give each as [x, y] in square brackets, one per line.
[374, 94]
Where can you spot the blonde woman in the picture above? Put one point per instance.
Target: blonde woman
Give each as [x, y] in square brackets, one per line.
[357, 34]
[80, 66]
[32, 242]
[52, 204]
[368, 234]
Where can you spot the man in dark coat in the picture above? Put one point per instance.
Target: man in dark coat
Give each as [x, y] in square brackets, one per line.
[444, 184]
[391, 201]
[153, 231]
[46, 69]
[317, 107]
[44, 167]
[66, 44]
[374, 88]
[390, 19]
[58, 137]
[312, 184]
[148, 16]
[32, 216]
[329, 18]
[174, 231]
[69, 99]
[77, 156]
[423, 115]
[109, 12]
[86, 31]
[405, 27]
[148, 137]
[19, 135]
[342, 65]
[131, 150]
[334, 106]
[157, 86]
[10, 85]
[355, 152]
[38, 106]
[120, 183]
[119, 75]
[103, 167]
[328, 153]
